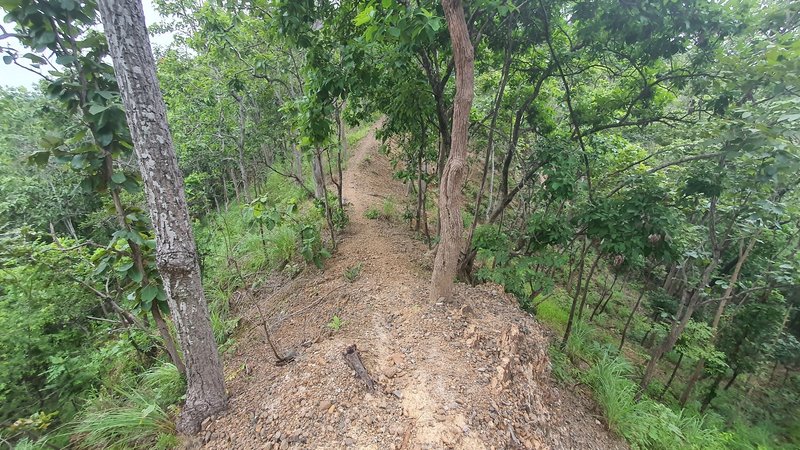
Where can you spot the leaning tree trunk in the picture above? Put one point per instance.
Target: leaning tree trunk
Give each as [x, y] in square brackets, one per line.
[452, 227]
[134, 65]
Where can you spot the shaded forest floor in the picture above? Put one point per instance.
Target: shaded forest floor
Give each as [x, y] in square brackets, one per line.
[471, 374]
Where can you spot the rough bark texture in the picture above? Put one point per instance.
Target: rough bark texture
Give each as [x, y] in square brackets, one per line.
[452, 227]
[319, 175]
[134, 65]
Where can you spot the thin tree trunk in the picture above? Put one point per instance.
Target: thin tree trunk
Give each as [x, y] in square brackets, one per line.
[465, 265]
[698, 370]
[452, 228]
[169, 344]
[297, 165]
[319, 174]
[587, 285]
[240, 147]
[630, 318]
[574, 305]
[601, 305]
[672, 376]
[176, 260]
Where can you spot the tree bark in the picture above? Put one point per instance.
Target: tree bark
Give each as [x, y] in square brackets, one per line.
[319, 175]
[452, 227]
[124, 24]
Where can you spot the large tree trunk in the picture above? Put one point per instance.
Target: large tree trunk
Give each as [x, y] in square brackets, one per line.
[134, 65]
[452, 227]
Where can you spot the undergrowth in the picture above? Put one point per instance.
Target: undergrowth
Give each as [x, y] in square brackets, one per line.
[135, 416]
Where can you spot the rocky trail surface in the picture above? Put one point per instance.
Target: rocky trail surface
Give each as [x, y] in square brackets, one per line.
[470, 374]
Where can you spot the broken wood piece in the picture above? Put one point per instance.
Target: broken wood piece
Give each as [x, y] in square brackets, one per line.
[281, 360]
[353, 359]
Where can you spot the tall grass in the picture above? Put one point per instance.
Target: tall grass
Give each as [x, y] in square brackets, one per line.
[137, 416]
[647, 424]
[128, 420]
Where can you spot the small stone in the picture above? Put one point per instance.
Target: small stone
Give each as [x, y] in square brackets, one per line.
[331, 409]
[396, 429]
[390, 372]
[397, 394]
[324, 405]
[284, 445]
[349, 442]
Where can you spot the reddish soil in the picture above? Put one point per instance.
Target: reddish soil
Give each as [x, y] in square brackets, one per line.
[470, 374]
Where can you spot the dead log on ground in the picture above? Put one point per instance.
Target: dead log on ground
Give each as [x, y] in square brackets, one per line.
[353, 359]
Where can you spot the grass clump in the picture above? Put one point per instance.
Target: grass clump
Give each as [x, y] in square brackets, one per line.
[372, 213]
[386, 211]
[353, 272]
[129, 420]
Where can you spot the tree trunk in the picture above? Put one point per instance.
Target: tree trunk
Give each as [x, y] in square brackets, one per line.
[452, 227]
[586, 286]
[687, 390]
[169, 344]
[297, 166]
[319, 175]
[574, 305]
[134, 65]
[240, 147]
[672, 376]
[630, 319]
[465, 265]
[712, 392]
[342, 154]
[698, 370]
[601, 305]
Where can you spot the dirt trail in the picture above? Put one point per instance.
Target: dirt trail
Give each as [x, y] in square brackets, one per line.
[471, 375]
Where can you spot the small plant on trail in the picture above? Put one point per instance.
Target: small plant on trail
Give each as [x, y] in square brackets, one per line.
[336, 323]
[353, 272]
[386, 211]
[372, 213]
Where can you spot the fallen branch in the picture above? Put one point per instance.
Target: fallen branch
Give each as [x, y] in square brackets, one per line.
[281, 360]
[353, 359]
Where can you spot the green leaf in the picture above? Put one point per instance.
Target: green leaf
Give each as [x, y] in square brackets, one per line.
[97, 109]
[39, 158]
[78, 161]
[104, 138]
[365, 16]
[135, 275]
[118, 177]
[36, 59]
[148, 293]
[65, 59]
[8, 59]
